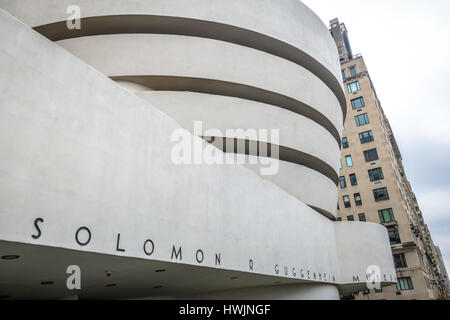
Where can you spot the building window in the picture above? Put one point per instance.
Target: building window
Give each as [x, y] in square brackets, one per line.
[353, 87]
[350, 218]
[386, 215]
[345, 144]
[358, 103]
[394, 237]
[343, 75]
[362, 120]
[404, 284]
[376, 174]
[352, 71]
[339, 219]
[353, 180]
[342, 182]
[366, 137]
[371, 155]
[378, 290]
[347, 203]
[362, 217]
[349, 161]
[400, 261]
[358, 200]
[381, 194]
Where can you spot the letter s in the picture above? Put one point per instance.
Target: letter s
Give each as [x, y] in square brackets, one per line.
[38, 220]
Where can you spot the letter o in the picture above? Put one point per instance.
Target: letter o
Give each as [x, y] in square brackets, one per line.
[145, 247]
[196, 256]
[89, 236]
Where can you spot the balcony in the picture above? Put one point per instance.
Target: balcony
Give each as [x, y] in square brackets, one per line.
[390, 224]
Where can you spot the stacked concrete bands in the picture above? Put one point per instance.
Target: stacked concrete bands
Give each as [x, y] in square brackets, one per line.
[86, 166]
[232, 64]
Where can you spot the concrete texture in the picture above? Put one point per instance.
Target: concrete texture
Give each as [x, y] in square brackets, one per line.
[80, 151]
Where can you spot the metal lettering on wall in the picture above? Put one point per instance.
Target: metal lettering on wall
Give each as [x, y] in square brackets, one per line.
[83, 237]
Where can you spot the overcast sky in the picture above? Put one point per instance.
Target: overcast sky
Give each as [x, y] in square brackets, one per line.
[406, 46]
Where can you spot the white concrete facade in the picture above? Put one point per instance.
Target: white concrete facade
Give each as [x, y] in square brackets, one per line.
[83, 155]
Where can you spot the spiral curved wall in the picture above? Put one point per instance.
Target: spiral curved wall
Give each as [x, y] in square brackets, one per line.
[277, 62]
[254, 64]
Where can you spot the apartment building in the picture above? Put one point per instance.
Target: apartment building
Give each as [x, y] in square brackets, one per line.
[373, 186]
[444, 273]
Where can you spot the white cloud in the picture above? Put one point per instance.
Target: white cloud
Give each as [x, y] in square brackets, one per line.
[434, 204]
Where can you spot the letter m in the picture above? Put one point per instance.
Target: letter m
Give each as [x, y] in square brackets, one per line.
[176, 253]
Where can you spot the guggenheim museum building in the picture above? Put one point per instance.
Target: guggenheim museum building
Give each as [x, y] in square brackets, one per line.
[107, 109]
